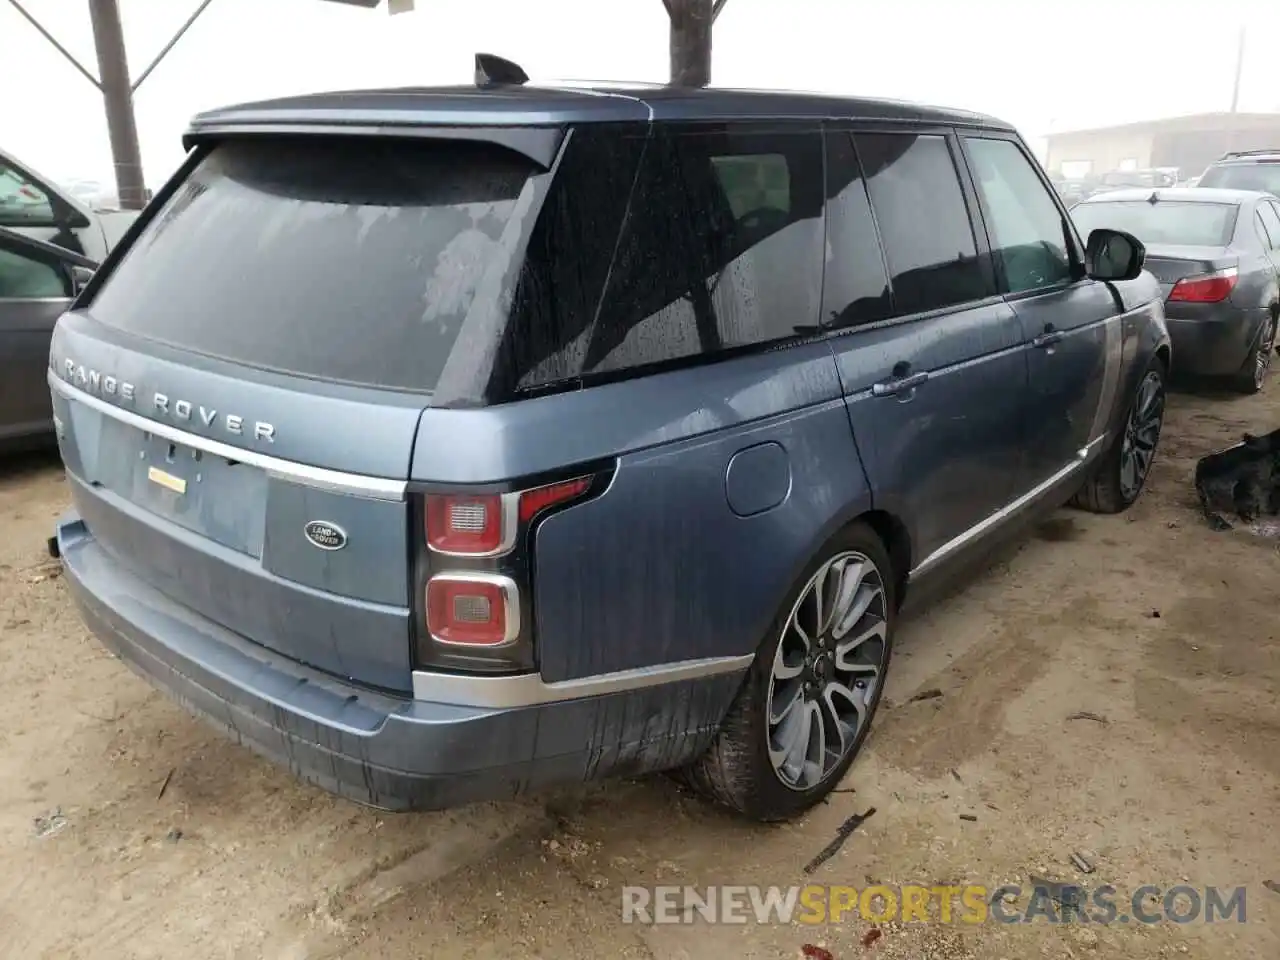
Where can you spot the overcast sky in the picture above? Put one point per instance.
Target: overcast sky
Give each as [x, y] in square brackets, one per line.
[1044, 65]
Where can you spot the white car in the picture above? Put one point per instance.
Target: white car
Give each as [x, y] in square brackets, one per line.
[35, 207]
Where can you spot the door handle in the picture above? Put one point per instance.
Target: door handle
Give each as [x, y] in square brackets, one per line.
[896, 385]
[1048, 338]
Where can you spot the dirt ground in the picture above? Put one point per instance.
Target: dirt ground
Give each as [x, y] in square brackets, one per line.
[128, 829]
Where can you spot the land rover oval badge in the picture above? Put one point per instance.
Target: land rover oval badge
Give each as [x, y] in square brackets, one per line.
[325, 535]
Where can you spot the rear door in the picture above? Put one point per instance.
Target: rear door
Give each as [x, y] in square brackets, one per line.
[255, 366]
[1267, 229]
[35, 289]
[1070, 323]
[931, 364]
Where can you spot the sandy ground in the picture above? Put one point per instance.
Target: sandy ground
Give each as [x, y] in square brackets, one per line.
[128, 829]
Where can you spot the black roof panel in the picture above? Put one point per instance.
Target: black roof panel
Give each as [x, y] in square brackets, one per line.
[558, 104]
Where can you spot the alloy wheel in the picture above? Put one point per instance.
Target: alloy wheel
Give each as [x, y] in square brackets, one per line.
[827, 670]
[1141, 434]
[1262, 359]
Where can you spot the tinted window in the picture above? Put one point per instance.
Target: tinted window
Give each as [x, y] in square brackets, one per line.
[344, 259]
[1271, 221]
[924, 223]
[22, 278]
[22, 203]
[568, 259]
[857, 289]
[1026, 228]
[1167, 223]
[721, 248]
[1243, 176]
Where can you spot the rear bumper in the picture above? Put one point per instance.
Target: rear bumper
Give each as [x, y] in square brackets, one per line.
[1217, 343]
[385, 751]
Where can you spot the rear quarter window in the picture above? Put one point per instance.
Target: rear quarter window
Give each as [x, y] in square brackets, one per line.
[669, 245]
[342, 259]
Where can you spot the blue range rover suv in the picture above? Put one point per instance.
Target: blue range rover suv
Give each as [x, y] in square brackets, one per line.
[446, 443]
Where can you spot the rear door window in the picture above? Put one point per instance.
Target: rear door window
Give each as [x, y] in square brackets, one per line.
[924, 221]
[342, 259]
[720, 248]
[1271, 220]
[856, 287]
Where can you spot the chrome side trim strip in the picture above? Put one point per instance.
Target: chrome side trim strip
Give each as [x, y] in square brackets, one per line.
[1083, 456]
[529, 689]
[378, 488]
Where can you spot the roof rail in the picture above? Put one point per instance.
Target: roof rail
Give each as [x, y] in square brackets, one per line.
[1231, 154]
[492, 71]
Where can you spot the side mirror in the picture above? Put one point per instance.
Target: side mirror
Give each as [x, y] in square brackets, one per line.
[80, 277]
[1114, 255]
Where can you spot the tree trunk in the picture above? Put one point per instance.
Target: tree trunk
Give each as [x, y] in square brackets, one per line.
[690, 42]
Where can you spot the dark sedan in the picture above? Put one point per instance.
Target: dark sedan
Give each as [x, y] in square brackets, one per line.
[37, 283]
[1216, 254]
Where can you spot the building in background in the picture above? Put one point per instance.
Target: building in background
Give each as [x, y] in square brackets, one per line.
[1187, 143]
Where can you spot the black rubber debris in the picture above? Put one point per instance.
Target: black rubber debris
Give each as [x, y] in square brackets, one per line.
[843, 834]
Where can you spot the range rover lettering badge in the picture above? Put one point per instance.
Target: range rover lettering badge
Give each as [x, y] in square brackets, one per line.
[163, 406]
[325, 535]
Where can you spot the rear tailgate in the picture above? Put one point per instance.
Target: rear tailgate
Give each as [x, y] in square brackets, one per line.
[238, 403]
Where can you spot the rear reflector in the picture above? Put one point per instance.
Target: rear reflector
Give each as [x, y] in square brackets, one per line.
[1207, 288]
[474, 610]
[469, 525]
[533, 502]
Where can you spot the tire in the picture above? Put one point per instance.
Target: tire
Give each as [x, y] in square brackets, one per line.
[738, 770]
[1110, 489]
[1254, 376]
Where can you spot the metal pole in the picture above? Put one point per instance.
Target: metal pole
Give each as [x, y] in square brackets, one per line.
[117, 96]
[1235, 92]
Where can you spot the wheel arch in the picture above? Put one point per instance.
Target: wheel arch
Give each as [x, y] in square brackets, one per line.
[896, 537]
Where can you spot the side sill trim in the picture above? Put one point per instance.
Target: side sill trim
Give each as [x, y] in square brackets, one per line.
[378, 488]
[1083, 456]
[529, 689]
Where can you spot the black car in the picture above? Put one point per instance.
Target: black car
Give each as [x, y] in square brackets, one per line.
[1216, 254]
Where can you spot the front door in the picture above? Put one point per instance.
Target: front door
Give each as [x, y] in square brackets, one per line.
[34, 292]
[1069, 324]
[931, 366]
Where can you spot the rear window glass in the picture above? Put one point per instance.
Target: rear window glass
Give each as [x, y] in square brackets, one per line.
[1264, 177]
[1167, 223]
[341, 259]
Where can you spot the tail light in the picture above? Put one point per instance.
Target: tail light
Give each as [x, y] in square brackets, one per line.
[475, 575]
[468, 526]
[1206, 288]
[473, 609]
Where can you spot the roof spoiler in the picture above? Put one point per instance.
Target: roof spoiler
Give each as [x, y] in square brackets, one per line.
[493, 71]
